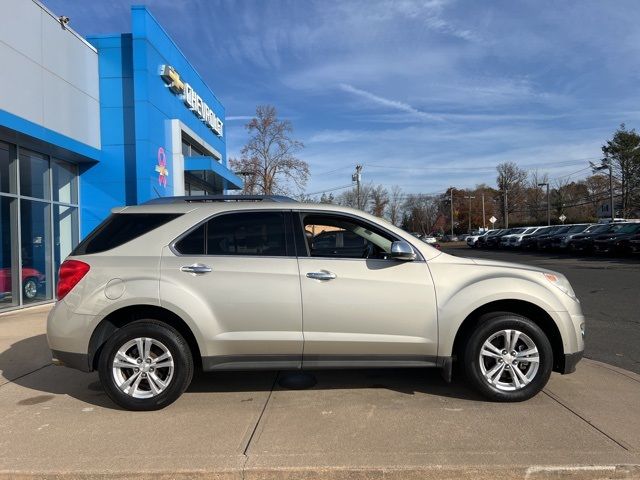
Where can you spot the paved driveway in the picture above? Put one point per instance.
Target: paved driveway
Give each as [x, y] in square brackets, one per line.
[399, 424]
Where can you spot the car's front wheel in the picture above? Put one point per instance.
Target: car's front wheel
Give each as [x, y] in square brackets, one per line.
[508, 357]
[146, 365]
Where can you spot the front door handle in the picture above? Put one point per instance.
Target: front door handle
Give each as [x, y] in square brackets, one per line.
[196, 268]
[321, 275]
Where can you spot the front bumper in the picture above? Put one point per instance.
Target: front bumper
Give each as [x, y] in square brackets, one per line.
[570, 362]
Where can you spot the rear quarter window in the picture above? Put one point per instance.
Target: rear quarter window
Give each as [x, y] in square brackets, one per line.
[120, 228]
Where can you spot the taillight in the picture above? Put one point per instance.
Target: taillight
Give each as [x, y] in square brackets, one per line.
[71, 272]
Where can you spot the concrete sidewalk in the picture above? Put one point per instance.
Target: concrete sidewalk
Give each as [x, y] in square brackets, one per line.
[356, 424]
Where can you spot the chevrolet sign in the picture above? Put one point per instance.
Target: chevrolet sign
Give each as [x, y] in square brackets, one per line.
[191, 99]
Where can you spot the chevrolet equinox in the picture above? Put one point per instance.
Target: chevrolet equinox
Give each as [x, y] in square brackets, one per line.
[244, 283]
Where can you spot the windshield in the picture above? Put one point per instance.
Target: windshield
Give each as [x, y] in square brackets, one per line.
[630, 228]
[563, 229]
[577, 228]
[544, 230]
[597, 228]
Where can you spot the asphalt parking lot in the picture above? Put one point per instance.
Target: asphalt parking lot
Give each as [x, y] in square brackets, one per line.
[609, 289]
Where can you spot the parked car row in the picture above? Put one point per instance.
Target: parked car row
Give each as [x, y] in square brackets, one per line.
[622, 238]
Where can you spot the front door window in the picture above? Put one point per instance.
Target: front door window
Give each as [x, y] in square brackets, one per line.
[344, 237]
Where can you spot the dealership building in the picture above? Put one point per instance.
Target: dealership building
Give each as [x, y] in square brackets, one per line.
[87, 124]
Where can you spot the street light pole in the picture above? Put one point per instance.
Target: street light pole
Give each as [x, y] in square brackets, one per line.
[613, 213]
[548, 204]
[506, 208]
[470, 198]
[484, 220]
[451, 200]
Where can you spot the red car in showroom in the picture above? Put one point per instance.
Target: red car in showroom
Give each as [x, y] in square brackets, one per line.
[31, 281]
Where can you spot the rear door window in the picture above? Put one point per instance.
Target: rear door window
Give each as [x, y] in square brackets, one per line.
[242, 233]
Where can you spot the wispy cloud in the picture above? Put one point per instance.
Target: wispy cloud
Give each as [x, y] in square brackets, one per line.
[409, 84]
[233, 118]
[389, 103]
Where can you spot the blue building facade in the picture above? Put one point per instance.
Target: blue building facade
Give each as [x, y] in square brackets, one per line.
[162, 128]
[88, 124]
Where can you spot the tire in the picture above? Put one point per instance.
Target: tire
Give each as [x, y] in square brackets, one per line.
[531, 377]
[155, 384]
[30, 288]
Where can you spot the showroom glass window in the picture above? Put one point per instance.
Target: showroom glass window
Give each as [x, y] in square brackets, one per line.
[38, 223]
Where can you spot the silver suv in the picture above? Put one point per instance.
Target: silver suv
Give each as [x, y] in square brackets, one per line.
[242, 283]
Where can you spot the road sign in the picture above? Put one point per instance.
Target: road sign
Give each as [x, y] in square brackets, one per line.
[562, 217]
[493, 219]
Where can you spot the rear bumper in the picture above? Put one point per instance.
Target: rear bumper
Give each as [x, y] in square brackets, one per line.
[570, 362]
[79, 361]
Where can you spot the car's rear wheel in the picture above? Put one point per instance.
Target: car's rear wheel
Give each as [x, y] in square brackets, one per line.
[508, 357]
[145, 365]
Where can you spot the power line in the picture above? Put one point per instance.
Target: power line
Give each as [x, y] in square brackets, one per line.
[330, 189]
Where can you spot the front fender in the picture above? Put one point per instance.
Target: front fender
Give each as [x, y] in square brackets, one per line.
[456, 302]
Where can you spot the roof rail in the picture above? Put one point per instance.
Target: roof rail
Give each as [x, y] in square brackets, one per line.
[219, 198]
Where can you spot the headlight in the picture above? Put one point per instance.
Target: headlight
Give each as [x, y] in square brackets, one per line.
[561, 282]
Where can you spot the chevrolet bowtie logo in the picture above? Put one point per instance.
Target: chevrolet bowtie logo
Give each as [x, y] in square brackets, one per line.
[172, 78]
[191, 99]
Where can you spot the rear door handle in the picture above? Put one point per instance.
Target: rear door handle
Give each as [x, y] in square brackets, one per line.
[196, 268]
[321, 275]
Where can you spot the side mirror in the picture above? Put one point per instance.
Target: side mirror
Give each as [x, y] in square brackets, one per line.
[401, 250]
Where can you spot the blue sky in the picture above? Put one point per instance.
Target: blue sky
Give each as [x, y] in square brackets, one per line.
[425, 94]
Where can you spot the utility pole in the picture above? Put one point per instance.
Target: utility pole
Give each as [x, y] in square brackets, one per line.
[606, 164]
[548, 204]
[506, 208]
[356, 177]
[451, 199]
[470, 198]
[484, 220]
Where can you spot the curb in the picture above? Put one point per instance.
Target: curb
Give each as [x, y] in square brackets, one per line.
[435, 472]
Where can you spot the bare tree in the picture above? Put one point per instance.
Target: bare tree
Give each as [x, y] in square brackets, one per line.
[349, 198]
[560, 195]
[395, 205]
[597, 192]
[511, 180]
[324, 198]
[536, 198]
[379, 200]
[421, 212]
[268, 162]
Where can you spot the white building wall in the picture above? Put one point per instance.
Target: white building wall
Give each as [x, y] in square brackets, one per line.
[49, 74]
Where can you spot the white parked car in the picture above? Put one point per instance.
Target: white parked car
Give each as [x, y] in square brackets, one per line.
[429, 239]
[472, 240]
[266, 284]
[515, 239]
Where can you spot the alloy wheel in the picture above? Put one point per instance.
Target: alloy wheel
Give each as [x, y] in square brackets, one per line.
[143, 367]
[509, 360]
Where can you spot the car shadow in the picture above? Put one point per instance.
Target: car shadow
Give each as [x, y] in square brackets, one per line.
[51, 380]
